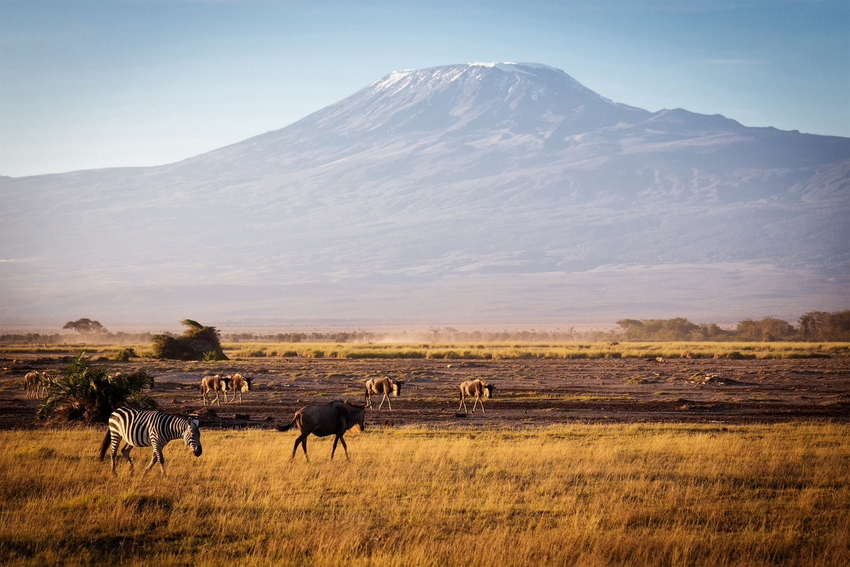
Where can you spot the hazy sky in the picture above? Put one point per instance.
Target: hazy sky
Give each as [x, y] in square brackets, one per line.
[118, 83]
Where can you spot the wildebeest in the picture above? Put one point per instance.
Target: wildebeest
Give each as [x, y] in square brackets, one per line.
[36, 384]
[215, 383]
[333, 419]
[237, 383]
[384, 386]
[478, 388]
[32, 383]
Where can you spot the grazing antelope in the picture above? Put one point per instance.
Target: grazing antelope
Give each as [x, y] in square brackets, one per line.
[383, 386]
[44, 384]
[333, 419]
[237, 383]
[144, 428]
[214, 383]
[478, 388]
[32, 384]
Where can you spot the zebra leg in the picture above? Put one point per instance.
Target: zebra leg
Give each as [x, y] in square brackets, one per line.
[157, 456]
[126, 452]
[113, 451]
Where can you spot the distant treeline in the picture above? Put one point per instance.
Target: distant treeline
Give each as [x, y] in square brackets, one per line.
[816, 326]
[66, 338]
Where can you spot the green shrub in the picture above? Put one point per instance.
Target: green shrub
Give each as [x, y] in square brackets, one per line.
[125, 354]
[91, 394]
[197, 343]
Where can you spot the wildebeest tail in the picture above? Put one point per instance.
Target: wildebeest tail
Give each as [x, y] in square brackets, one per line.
[106, 442]
[288, 426]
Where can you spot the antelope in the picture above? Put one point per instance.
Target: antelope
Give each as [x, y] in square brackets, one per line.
[237, 384]
[32, 384]
[215, 383]
[478, 388]
[384, 386]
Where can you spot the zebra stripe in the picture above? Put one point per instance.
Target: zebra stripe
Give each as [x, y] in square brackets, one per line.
[145, 428]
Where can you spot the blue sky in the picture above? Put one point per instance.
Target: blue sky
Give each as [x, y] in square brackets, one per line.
[121, 83]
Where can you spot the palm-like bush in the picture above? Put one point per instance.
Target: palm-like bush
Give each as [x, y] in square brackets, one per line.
[90, 394]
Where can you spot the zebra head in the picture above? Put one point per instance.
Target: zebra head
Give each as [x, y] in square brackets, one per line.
[192, 436]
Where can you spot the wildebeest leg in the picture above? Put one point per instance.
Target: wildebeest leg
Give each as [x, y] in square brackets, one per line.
[482, 404]
[302, 440]
[345, 447]
[126, 452]
[462, 403]
[387, 398]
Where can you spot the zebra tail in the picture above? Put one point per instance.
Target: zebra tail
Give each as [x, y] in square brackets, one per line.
[106, 442]
[287, 427]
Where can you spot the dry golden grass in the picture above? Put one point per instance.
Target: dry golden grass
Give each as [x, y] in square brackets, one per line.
[577, 494]
[485, 351]
[732, 350]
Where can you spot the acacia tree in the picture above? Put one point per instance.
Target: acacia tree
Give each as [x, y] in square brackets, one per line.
[86, 327]
[820, 326]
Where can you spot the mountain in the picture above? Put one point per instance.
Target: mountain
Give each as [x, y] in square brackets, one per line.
[491, 194]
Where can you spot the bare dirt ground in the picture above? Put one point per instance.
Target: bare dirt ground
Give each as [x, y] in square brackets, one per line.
[528, 392]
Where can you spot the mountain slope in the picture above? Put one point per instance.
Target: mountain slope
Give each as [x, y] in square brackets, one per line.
[500, 193]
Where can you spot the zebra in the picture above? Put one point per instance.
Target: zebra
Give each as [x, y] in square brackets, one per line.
[147, 428]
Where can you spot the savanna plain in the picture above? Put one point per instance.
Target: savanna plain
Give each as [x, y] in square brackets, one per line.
[681, 456]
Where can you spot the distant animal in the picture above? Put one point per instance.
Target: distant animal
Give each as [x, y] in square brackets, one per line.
[145, 428]
[44, 384]
[32, 384]
[237, 383]
[36, 384]
[214, 383]
[383, 386]
[333, 419]
[478, 388]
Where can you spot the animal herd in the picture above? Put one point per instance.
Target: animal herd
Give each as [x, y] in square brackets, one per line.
[36, 383]
[149, 428]
[218, 383]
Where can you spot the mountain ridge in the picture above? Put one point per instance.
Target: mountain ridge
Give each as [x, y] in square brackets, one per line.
[508, 176]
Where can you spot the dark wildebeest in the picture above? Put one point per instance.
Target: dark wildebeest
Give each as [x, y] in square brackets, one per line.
[237, 383]
[478, 388]
[333, 419]
[215, 383]
[384, 386]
